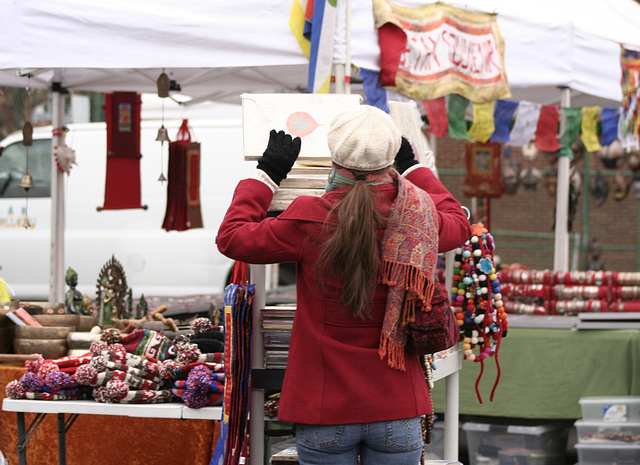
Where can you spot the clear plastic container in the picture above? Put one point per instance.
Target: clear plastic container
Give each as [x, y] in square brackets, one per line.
[606, 454]
[607, 432]
[614, 409]
[513, 444]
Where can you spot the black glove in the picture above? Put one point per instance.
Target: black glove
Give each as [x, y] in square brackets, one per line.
[280, 155]
[405, 158]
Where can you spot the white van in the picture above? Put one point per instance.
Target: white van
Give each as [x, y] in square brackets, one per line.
[156, 262]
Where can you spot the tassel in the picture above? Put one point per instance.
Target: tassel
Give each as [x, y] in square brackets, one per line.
[415, 280]
[393, 351]
[408, 312]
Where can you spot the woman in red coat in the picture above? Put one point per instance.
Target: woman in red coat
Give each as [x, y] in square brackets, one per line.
[365, 255]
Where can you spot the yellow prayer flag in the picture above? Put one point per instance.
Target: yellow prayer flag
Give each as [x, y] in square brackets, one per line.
[296, 23]
[590, 117]
[483, 123]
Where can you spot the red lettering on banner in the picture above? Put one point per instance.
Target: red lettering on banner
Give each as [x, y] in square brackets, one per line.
[425, 54]
[490, 50]
[433, 52]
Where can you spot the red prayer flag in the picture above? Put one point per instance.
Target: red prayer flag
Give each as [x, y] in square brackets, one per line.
[547, 130]
[436, 111]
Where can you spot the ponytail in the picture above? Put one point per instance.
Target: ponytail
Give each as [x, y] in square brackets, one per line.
[352, 251]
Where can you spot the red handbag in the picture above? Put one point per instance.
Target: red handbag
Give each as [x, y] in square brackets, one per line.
[436, 329]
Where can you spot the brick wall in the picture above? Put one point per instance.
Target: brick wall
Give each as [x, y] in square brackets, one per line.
[522, 223]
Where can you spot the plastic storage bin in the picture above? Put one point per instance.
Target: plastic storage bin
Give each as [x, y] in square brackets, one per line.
[615, 409]
[607, 454]
[511, 444]
[599, 432]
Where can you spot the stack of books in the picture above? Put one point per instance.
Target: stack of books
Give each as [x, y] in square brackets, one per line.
[21, 317]
[276, 330]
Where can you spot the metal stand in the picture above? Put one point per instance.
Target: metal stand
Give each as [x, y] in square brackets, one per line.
[25, 436]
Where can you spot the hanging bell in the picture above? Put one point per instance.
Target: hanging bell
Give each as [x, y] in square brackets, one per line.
[163, 135]
[27, 134]
[27, 181]
[164, 84]
[162, 178]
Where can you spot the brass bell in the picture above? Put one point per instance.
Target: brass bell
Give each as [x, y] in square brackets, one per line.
[27, 134]
[27, 181]
[164, 84]
[163, 135]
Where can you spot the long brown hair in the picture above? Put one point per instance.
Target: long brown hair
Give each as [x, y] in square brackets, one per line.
[352, 251]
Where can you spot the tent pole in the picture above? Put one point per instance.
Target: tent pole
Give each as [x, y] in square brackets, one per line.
[343, 70]
[56, 256]
[561, 245]
[257, 453]
[347, 59]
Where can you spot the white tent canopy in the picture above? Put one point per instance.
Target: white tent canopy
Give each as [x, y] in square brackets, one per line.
[217, 50]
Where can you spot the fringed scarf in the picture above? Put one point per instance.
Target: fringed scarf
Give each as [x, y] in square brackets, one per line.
[409, 256]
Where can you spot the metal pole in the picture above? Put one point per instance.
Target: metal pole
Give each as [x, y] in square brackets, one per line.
[451, 420]
[22, 447]
[62, 444]
[56, 256]
[342, 71]
[584, 242]
[347, 61]
[638, 239]
[256, 408]
[561, 245]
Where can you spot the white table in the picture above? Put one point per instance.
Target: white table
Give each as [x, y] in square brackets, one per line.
[73, 408]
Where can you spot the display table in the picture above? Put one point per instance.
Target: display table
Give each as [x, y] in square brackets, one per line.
[89, 407]
[545, 371]
[103, 434]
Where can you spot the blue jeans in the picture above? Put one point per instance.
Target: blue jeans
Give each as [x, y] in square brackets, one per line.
[395, 442]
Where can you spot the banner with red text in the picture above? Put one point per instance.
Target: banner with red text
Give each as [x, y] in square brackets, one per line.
[630, 64]
[438, 49]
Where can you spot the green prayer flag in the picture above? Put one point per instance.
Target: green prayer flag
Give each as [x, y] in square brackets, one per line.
[570, 120]
[456, 111]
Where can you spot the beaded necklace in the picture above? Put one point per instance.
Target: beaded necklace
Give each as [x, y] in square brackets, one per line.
[477, 301]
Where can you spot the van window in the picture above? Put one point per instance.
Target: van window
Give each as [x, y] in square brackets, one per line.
[13, 165]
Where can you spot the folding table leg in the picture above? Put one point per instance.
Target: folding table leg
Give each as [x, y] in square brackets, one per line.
[25, 435]
[63, 427]
[21, 448]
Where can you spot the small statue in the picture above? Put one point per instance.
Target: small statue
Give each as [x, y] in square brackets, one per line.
[142, 308]
[128, 311]
[106, 303]
[73, 297]
[88, 304]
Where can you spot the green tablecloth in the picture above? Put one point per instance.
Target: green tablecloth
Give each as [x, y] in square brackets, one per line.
[546, 371]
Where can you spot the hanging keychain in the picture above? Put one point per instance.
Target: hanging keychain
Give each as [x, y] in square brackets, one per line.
[478, 302]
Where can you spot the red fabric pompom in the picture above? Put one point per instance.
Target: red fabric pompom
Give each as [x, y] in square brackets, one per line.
[117, 390]
[97, 347]
[34, 365]
[169, 369]
[14, 389]
[85, 374]
[187, 353]
[47, 367]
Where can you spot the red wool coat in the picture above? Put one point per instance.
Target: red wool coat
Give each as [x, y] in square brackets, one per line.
[334, 373]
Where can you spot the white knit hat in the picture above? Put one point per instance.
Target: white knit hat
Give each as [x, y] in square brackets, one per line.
[364, 139]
